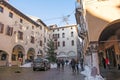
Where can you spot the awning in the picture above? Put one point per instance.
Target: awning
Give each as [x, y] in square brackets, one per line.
[62, 56]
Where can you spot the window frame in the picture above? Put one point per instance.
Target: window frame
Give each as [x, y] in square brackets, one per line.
[71, 34]
[63, 43]
[10, 14]
[20, 35]
[63, 35]
[32, 39]
[9, 31]
[72, 43]
[1, 27]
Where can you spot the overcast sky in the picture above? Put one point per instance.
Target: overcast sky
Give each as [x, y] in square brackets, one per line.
[49, 11]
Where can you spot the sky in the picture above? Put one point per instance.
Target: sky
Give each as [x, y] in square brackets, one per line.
[49, 11]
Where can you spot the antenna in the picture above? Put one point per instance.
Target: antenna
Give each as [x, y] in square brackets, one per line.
[65, 19]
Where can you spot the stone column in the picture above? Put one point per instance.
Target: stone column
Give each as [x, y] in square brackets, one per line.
[88, 58]
[94, 52]
[9, 61]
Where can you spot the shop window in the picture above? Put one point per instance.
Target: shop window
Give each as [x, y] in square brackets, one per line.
[13, 57]
[3, 57]
[20, 55]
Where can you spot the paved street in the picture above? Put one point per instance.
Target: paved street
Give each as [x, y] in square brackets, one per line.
[28, 74]
[9, 73]
[110, 74]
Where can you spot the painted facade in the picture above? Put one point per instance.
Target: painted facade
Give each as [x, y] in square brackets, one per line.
[21, 37]
[24, 38]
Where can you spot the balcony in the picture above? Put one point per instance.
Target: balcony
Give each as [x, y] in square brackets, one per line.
[55, 38]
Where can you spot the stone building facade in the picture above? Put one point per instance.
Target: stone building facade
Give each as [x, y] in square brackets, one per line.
[65, 40]
[21, 37]
[103, 26]
[24, 38]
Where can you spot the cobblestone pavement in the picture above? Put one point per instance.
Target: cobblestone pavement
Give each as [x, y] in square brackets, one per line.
[12, 73]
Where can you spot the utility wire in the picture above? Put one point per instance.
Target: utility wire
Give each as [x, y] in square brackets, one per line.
[54, 18]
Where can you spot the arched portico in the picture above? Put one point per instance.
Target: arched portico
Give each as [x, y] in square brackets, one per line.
[102, 25]
[17, 57]
[30, 54]
[106, 39]
[109, 44]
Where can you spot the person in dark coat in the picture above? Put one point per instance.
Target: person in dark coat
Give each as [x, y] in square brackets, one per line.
[73, 65]
[104, 63]
[81, 64]
[77, 65]
[58, 63]
[62, 63]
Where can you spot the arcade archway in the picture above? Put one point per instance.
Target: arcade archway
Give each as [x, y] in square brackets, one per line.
[30, 54]
[18, 55]
[109, 44]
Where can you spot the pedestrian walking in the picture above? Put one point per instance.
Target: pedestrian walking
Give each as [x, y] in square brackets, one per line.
[81, 64]
[58, 63]
[104, 62]
[107, 63]
[66, 62]
[73, 65]
[62, 63]
[77, 65]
